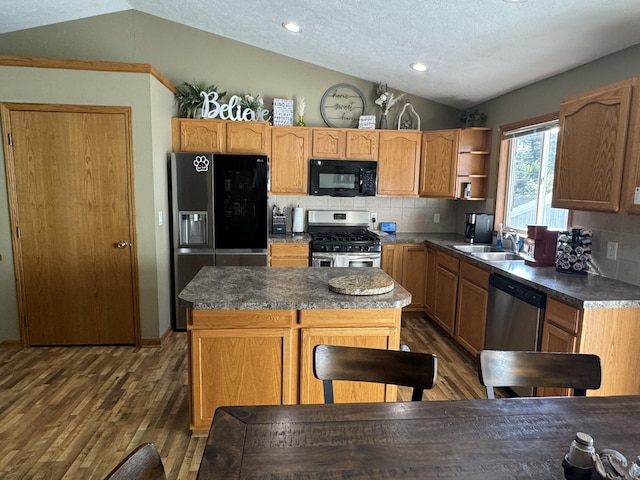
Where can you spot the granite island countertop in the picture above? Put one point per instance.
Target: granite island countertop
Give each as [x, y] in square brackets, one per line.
[282, 288]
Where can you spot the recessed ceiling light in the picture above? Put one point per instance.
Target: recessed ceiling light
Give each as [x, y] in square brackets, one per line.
[292, 27]
[419, 67]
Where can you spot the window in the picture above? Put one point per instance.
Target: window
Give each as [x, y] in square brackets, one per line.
[529, 152]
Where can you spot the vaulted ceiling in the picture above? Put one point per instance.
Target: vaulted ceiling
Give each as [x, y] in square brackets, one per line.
[475, 50]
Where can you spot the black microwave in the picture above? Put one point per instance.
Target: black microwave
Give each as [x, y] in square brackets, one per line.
[343, 178]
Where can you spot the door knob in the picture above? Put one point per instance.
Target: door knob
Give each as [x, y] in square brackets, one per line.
[122, 244]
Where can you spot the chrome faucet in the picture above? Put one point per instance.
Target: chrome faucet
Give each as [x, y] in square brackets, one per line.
[515, 240]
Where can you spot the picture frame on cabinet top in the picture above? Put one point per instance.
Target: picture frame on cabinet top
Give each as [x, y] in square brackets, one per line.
[341, 106]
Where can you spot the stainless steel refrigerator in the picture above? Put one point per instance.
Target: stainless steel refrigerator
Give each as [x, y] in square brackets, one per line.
[219, 206]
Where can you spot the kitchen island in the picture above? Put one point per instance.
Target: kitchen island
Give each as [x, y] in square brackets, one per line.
[251, 333]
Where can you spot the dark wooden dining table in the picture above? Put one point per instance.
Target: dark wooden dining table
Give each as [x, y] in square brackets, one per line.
[511, 438]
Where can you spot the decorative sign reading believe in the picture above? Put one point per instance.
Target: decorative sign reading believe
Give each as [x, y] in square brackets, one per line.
[230, 111]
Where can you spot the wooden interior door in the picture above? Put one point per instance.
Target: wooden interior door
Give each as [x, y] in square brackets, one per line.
[71, 200]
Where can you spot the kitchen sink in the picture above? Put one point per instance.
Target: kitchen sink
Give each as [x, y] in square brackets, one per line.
[476, 248]
[498, 256]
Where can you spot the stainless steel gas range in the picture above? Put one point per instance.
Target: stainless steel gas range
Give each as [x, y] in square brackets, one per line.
[341, 238]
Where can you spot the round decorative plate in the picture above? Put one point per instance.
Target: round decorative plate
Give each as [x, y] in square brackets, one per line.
[342, 105]
[361, 284]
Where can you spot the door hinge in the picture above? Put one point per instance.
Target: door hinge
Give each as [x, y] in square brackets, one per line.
[18, 232]
[10, 139]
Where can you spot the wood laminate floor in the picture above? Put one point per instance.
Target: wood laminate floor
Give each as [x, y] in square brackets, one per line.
[75, 412]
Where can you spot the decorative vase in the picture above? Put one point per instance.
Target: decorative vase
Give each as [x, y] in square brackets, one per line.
[383, 121]
[300, 121]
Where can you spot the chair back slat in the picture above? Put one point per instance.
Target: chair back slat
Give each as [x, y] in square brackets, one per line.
[410, 369]
[499, 368]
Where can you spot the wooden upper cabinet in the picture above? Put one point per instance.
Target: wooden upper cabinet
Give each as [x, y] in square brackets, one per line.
[248, 137]
[361, 144]
[452, 158]
[399, 162]
[289, 159]
[220, 136]
[439, 163]
[328, 143]
[198, 135]
[631, 192]
[591, 149]
[344, 143]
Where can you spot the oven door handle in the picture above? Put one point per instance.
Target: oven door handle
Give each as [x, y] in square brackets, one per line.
[364, 256]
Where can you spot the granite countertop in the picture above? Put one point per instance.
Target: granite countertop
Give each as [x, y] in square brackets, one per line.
[282, 288]
[289, 237]
[581, 291]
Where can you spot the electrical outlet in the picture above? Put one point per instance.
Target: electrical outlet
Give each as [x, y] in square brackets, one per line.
[374, 217]
[612, 250]
[436, 218]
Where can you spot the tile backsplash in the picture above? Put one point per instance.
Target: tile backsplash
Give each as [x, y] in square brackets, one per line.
[619, 228]
[417, 215]
[410, 214]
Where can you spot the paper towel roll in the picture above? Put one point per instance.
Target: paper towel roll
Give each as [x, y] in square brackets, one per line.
[298, 220]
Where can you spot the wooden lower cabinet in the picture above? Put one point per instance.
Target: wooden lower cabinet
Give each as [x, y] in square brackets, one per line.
[391, 261]
[407, 265]
[471, 313]
[446, 296]
[288, 254]
[414, 267]
[265, 357]
[430, 282]
[610, 333]
[250, 366]
[311, 388]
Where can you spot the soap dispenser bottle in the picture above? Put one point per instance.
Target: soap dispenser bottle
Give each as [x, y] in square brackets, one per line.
[499, 239]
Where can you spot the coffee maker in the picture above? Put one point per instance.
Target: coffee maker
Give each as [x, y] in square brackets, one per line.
[478, 228]
[542, 246]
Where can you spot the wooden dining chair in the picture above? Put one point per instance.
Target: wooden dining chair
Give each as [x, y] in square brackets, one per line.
[144, 463]
[499, 368]
[409, 369]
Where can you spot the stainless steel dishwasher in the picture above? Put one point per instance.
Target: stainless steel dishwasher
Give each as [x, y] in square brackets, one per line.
[514, 318]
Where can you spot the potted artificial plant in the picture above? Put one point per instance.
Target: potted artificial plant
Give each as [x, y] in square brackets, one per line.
[189, 99]
[472, 118]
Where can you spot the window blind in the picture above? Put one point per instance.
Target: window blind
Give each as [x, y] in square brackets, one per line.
[530, 129]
